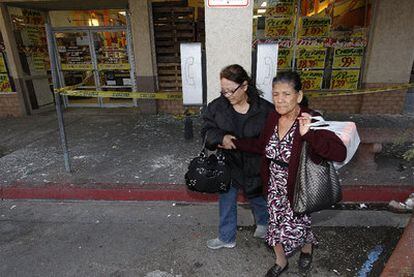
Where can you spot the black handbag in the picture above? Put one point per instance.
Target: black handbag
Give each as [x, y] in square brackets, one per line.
[317, 186]
[208, 173]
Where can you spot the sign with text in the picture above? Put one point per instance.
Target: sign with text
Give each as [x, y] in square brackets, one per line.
[76, 67]
[280, 9]
[284, 59]
[311, 79]
[311, 57]
[114, 66]
[314, 27]
[5, 83]
[277, 27]
[344, 79]
[348, 57]
[227, 3]
[2, 63]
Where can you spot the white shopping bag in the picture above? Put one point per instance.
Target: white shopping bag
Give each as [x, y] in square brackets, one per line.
[345, 130]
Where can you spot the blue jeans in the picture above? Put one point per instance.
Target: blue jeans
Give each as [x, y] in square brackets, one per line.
[228, 214]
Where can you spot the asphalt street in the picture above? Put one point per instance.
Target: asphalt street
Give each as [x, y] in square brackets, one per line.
[151, 239]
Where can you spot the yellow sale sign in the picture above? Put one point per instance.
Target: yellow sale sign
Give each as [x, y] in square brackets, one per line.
[344, 79]
[311, 79]
[276, 27]
[280, 9]
[311, 57]
[314, 26]
[284, 59]
[348, 57]
[2, 63]
[76, 66]
[5, 83]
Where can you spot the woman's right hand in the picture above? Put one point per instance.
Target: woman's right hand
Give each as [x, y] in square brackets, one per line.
[228, 142]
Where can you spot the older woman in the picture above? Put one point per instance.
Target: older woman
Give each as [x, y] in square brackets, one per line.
[241, 112]
[280, 144]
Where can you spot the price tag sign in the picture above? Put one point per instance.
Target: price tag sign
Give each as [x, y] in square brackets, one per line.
[5, 83]
[280, 9]
[311, 79]
[311, 57]
[315, 27]
[276, 27]
[348, 57]
[284, 58]
[344, 79]
[76, 67]
[227, 3]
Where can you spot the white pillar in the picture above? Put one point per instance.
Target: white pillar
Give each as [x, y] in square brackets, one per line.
[228, 41]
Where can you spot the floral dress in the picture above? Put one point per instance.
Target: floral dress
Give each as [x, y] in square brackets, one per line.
[292, 231]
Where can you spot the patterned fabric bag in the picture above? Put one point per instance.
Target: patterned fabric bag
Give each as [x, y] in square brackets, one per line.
[317, 185]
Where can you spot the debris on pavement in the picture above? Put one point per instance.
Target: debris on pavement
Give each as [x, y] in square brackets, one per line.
[402, 207]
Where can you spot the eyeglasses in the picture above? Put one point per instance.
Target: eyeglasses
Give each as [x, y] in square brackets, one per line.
[230, 92]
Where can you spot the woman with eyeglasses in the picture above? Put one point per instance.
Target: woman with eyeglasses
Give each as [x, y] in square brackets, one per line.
[240, 112]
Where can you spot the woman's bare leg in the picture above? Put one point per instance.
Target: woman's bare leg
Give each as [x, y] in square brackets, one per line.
[281, 259]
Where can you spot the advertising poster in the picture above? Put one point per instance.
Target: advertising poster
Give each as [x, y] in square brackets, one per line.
[311, 57]
[5, 83]
[344, 79]
[311, 79]
[348, 57]
[276, 27]
[284, 59]
[315, 27]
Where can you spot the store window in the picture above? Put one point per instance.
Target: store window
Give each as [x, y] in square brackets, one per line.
[93, 58]
[29, 30]
[324, 40]
[5, 85]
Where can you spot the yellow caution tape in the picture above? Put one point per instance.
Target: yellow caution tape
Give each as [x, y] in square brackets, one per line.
[328, 93]
[123, 94]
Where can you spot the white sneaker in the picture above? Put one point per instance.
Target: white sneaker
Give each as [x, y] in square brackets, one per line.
[217, 244]
[260, 231]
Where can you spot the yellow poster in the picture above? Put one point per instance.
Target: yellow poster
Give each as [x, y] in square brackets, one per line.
[5, 83]
[311, 79]
[276, 27]
[344, 79]
[284, 59]
[76, 67]
[115, 66]
[314, 27]
[311, 57]
[280, 9]
[2, 63]
[348, 57]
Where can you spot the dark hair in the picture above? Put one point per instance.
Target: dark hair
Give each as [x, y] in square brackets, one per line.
[237, 74]
[290, 77]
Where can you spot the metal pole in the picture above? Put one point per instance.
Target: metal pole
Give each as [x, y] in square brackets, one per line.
[295, 41]
[56, 84]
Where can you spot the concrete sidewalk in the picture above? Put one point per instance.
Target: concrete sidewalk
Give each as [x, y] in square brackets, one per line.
[168, 239]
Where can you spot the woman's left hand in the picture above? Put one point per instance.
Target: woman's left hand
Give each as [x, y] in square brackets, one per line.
[304, 122]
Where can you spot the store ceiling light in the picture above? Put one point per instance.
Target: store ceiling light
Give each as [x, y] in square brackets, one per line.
[122, 13]
[264, 4]
[93, 22]
[261, 10]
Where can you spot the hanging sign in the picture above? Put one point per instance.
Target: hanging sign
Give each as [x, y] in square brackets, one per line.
[284, 58]
[115, 66]
[311, 57]
[348, 57]
[277, 27]
[227, 3]
[311, 79]
[5, 83]
[344, 79]
[76, 67]
[314, 26]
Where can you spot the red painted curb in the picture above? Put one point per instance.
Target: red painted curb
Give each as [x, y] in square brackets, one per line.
[174, 192]
[401, 262]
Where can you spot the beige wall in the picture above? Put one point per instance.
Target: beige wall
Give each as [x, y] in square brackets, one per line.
[391, 45]
[228, 41]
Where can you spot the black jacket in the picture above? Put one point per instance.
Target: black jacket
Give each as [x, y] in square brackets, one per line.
[245, 167]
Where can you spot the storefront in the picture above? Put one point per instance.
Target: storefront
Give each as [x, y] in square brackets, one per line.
[131, 45]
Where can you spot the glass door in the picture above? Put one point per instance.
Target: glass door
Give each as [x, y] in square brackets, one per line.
[113, 65]
[75, 65]
[97, 59]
